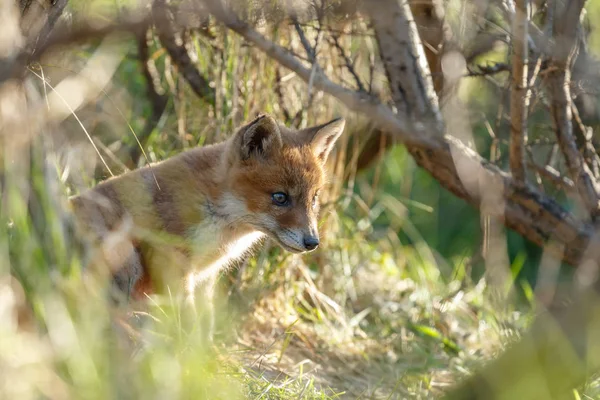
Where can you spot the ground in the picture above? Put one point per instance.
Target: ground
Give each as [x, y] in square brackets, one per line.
[396, 338]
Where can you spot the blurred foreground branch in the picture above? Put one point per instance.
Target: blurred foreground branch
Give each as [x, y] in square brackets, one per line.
[14, 66]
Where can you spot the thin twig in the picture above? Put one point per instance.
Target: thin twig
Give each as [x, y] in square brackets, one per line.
[339, 31]
[519, 100]
[538, 177]
[158, 100]
[583, 136]
[305, 43]
[311, 52]
[280, 97]
[553, 175]
[348, 62]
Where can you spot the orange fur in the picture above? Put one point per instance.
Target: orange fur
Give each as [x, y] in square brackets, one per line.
[210, 206]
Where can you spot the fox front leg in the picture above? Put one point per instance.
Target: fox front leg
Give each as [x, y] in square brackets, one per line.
[126, 278]
[119, 261]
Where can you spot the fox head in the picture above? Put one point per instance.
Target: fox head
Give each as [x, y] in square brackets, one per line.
[274, 176]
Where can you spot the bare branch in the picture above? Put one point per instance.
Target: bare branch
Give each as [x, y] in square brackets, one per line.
[538, 40]
[311, 53]
[347, 61]
[40, 39]
[559, 79]
[554, 176]
[359, 102]
[436, 35]
[156, 96]
[583, 137]
[279, 93]
[85, 30]
[531, 214]
[519, 101]
[305, 43]
[174, 45]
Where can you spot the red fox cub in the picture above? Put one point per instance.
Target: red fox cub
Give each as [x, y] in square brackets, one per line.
[188, 217]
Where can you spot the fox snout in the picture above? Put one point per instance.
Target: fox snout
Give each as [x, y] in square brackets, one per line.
[297, 240]
[311, 242]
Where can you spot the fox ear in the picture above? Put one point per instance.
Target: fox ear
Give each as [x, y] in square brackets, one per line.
[321, 138]
[260, 138]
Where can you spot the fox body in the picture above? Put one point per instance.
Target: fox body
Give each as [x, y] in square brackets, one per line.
[184, 219]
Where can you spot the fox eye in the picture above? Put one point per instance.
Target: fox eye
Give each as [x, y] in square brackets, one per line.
[314, 201]
[280, 199]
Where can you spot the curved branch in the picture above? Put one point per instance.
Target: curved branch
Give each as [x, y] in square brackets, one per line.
[559, 81]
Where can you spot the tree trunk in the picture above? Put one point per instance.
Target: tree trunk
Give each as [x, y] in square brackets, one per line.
[435, 34]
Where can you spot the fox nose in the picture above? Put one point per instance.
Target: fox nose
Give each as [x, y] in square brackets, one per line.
[311, 242]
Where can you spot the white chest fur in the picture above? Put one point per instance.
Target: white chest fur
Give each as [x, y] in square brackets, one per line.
[220, 239]
[215, 248]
